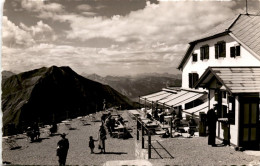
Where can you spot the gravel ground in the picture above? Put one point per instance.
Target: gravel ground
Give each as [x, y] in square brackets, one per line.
[186, 151]
[44, 152]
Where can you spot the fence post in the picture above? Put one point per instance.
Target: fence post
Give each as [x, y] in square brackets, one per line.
[142, 127]
[137, 131]
[149, 145]
[171, 127]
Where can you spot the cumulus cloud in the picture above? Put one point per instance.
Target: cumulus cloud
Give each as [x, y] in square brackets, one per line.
[44, 9]
[24, 36]
[152, 39]
[13, 35]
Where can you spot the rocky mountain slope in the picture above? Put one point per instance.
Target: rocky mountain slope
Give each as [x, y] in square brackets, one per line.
[54, 93]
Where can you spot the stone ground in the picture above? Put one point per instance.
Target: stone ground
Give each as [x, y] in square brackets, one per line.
[185, 151]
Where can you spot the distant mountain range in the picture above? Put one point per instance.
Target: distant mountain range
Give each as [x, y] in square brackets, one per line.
[55, 93]
[139, 85]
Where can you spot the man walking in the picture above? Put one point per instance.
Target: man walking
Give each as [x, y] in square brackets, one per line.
[62, 150]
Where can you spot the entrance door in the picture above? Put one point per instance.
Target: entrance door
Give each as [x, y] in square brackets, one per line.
[249, 122]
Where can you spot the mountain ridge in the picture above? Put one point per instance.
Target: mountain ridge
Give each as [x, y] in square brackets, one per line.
[139, 85]
[55, 91]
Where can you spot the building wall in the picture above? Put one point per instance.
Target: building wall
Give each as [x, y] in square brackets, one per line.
[245, 58]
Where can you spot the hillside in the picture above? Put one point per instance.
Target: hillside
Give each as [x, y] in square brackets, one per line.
[55, 92]
[134, 86]
[6, 74]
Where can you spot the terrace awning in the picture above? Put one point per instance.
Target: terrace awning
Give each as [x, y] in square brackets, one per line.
[174, 99]
[196, 110]
[183, 99]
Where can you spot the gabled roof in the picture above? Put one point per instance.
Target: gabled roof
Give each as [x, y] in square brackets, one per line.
[233, 79]
[245, 29]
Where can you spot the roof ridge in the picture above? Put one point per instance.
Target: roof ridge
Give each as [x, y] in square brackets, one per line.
[233, 22]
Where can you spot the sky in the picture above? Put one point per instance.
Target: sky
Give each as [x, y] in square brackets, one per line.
[108, 37]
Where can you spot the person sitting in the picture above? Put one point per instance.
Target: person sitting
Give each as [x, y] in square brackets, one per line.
[156, 116]
[166, 134]
[149, 116]
[112, 124]
[162, 118]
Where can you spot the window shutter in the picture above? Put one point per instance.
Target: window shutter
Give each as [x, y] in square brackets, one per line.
[224, 49]
[201, 53]
[237, 50]
[207, 52]
[190, 80]
[195, 78]
[216, 51]
[232, 51]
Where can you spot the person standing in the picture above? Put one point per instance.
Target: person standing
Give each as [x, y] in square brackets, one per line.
[91, 144]
[211, 121]
[101, 138]
[62, 150]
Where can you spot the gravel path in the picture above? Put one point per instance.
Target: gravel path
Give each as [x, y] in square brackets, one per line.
[186, 151]
[44, 152]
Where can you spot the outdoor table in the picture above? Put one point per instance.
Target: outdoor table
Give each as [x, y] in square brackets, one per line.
[65, 121]
[121, 130]
[145, 121]
[160, 132]
[168, 116]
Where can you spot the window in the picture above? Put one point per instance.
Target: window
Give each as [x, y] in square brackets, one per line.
[220, 49]
[204, 52]
[194, 57]
[193, 78]
[234, 51]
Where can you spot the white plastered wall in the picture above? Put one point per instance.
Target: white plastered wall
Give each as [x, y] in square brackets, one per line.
[245, 58]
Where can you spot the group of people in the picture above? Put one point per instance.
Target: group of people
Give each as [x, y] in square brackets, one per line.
[33, 132]
[101, 140]
[111, 122]
[63, 145]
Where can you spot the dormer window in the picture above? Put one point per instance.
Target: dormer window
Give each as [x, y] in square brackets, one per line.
[234, 51]
[204, 52]
[220, 49]
[194, 57]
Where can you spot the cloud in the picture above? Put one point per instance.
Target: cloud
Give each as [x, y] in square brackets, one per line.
[104, 61]
[41, 6]
[24, 36]
[152, 23]
[13, 35]
[150, 39]
[84, 7]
